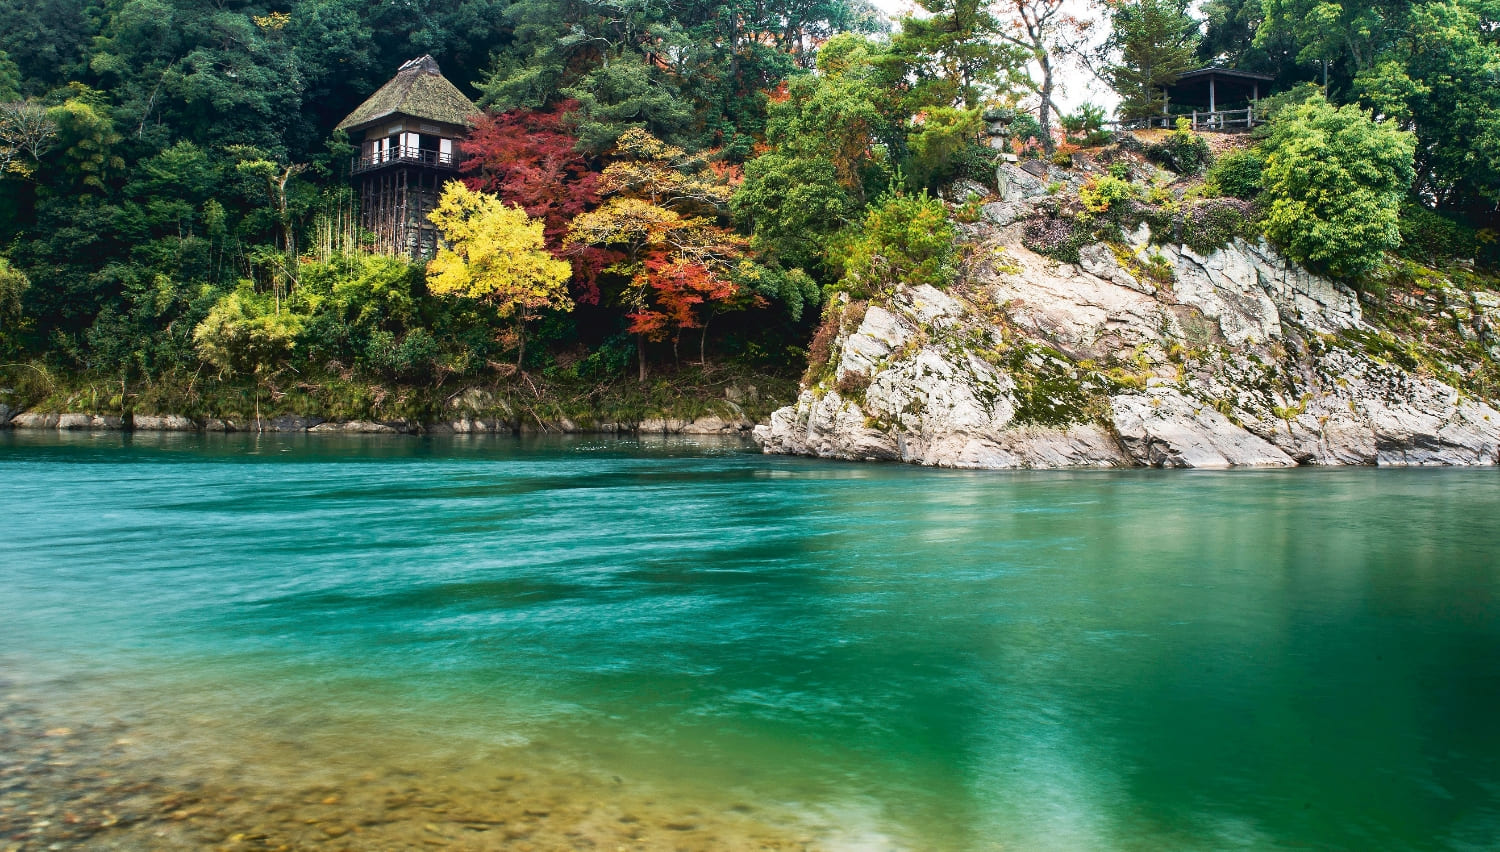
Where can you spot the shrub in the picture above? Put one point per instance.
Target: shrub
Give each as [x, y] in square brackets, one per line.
[1211, 225]
[13, 286]
[820, 350]
[1103, 192]
[1430, 236]
[1271, 107]
[1237, 174]
[246, 333]
[1025, 126]
[1333, 186]
[853, 384]
[977, 163]
[412, 356]
[937, 149]
[904, 239]
[1086, 126]
[1183, 151]
[364, 310]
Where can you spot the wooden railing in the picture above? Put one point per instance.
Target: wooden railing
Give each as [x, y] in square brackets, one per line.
[406, 154]
[1223, 120]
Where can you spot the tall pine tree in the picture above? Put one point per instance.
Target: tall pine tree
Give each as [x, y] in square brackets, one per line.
[1153, 42]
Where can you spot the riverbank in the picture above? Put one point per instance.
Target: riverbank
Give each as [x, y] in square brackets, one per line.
[707, 400]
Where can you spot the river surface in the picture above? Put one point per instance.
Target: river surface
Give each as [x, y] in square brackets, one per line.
[307, 641]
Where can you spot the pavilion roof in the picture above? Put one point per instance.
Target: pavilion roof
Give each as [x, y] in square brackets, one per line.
[1223, 73]
[418, 90]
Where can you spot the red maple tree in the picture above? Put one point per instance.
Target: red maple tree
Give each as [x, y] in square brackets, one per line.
[678, 287]
[530, 159]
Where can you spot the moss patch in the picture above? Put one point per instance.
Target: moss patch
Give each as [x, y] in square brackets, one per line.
[1049, 389]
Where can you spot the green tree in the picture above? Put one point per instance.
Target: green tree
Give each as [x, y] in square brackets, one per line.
[13, 286]
[1344, 38]
[49, 40]
[1333, 184]
[1442, 81]
[10, 79]
[1152, 42]
[628, 93]
[825, 149]
[792, 205]
[246, 333]
[953, 55]
[366, 312]
[936, 147]
[87, 138]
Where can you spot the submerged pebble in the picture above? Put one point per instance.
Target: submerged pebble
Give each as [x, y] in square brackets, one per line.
[72, 783]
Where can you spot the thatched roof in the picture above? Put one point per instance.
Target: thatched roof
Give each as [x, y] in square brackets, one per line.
[418, 90]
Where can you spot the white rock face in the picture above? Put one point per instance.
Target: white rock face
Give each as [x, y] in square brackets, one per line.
[1167, 429]
[34, 420]
[1082, 314]
[67, 422]
[1227, 287]
[162, 423]
[357, 427]
[1238, 362]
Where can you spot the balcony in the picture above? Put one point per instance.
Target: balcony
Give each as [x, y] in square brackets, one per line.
[1221, 121]
[407, 156]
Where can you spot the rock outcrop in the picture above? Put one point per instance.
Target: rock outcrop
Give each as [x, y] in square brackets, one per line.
[67, 422]
[1236, 358]
[162, 423]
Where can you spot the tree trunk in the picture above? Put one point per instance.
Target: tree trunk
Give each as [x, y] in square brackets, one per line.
[703, 341]
[640, 355]
[520, 340]
[1044, 112]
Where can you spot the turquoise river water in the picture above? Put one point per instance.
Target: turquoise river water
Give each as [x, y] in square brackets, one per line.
[308, 641]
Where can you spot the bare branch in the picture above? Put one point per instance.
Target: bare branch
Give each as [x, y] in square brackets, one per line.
[25, 128]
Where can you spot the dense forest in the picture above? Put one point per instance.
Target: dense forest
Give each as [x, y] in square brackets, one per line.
[653, 188]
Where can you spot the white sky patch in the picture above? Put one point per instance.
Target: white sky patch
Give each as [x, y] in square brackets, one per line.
[1075, 84]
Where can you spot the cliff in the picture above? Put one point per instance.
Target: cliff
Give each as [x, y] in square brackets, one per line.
[1148, 355]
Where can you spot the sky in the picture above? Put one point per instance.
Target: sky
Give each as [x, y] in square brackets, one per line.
[1075, 84]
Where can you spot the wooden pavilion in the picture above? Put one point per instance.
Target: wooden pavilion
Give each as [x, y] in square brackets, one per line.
[1210, 98]
[408, 134]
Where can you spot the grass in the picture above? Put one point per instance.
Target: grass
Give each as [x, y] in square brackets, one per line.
[688, 393]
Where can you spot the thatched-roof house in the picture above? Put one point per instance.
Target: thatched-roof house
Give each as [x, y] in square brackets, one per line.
[408, 134]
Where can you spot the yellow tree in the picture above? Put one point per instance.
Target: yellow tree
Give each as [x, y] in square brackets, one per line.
[665, 175]
[495, 253]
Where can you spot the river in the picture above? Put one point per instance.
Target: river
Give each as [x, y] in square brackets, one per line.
[280, 641]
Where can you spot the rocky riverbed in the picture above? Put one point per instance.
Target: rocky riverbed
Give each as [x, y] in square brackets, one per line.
[100, 779]
[1232, 358]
